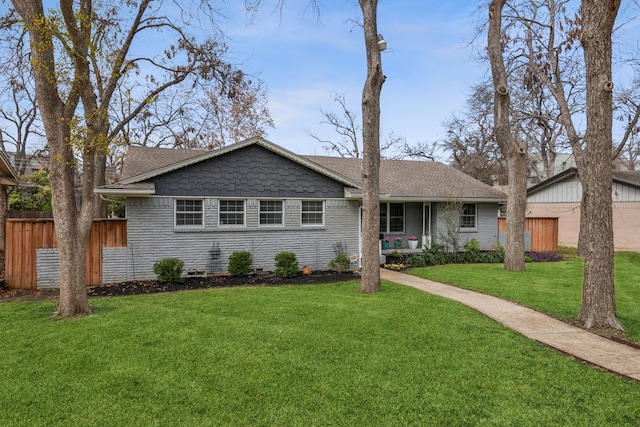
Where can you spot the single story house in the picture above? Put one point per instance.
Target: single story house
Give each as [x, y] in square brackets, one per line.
[560, 197]
[201, 206]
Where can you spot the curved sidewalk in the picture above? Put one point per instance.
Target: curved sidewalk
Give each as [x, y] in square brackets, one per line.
[592, 348]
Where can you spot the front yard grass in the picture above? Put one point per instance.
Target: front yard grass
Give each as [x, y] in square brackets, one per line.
[554, 288]
[312, 355]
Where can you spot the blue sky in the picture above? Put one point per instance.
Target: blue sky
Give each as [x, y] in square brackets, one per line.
[303, 59]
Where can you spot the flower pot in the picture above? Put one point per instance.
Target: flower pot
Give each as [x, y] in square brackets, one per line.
[397, 245]
[413, 244]
[385, 245]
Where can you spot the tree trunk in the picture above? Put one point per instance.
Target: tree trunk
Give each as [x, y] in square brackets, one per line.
[370, 279]
[72, 227]
[598, 291]
[514, 151]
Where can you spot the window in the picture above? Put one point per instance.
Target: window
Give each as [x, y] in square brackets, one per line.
[468, 216]
[392, 217]
[231, 212]
[270, 212]
[312, 213]
[188, 212]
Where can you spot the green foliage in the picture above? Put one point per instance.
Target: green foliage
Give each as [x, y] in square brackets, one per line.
[36, 198]
[472, 246]
[416, 261]
[169, 270]
[286, 265]
[116, 206]
[435, 255]
[340, 263]
[396, 254]
[240, 264]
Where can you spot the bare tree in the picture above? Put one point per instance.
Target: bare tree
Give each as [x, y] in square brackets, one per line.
[347, 125]
[19, 112]
[514, 150]
[471, 140]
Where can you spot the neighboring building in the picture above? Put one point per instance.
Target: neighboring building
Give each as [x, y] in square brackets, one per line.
[30, 164]
[560, 197]
[201, 206]
[537, 173]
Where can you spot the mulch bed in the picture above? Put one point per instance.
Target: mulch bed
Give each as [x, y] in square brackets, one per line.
[137, 287]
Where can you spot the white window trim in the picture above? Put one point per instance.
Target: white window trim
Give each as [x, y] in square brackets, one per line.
[475, 218]
[324, 214]
[282, 212]
[175, 213]
[244, 212]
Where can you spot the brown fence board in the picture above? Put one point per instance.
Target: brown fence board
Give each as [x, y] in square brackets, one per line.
[25, 236]
[544, 233]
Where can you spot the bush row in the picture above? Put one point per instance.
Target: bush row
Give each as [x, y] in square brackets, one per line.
[170, 270]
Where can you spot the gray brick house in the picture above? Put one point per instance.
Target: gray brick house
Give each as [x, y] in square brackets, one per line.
[201, 206]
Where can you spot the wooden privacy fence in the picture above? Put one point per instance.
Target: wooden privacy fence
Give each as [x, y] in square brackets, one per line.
[25, 236]
[544, 233]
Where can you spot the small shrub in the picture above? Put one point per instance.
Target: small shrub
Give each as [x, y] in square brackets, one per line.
[286, 265]
[240, 264]
[169, 270]
[416, 261]
[472, 246]
[340, 263]
[434, 255]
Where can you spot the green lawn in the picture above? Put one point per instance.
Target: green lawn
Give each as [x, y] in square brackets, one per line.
[292, 356]
[554, 287]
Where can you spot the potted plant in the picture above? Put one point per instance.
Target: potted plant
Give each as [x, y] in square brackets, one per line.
[413, 242]
[397, 242]
[385, 243]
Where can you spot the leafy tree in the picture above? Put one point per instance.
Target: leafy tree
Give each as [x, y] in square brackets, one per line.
[34, 198]
[82, 52]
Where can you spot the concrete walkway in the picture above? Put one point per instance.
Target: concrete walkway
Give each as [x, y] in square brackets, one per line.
[592, 348]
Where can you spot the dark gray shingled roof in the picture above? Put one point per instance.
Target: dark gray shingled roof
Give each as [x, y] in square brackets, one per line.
[398, 178]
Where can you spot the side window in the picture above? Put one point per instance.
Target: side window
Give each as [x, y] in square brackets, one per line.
[312, 212]
[271, 212]
[468, 215]
[188, 212]
[231, 212]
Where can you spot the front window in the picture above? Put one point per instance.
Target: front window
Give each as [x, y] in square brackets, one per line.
[231, 212]
[271, 212]
[188, 212]
[468, 216]
[312, 213]
[392, 217]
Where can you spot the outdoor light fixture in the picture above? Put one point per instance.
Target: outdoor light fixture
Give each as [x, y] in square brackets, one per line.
[382, 44]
